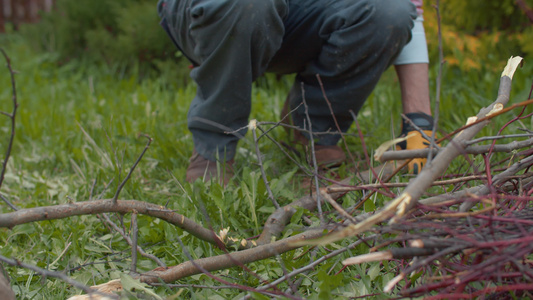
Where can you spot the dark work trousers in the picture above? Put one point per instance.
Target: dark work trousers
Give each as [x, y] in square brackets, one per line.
[347, 43]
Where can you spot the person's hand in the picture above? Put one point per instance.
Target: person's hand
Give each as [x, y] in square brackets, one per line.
[416, 139]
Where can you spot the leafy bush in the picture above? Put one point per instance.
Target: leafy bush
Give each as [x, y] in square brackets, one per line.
[125, 34]
[476, 29]
[475, 15]
[117, 32]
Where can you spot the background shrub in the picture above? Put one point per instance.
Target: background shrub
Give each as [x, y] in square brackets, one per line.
[122, 33]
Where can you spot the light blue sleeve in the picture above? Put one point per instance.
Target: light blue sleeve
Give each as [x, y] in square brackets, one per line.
[416, 51]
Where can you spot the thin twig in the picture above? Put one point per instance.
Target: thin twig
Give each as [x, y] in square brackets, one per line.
[59, 275]
[300, 166]
[196, 286]
[316, 262]
[439, 83]
[105, 188]
[92, 190]
[119, 189]
[134, 246]
[396, 171]
[130, 242]
[261, 167]
[343, 189]
[12, 116]
[417, 153]
[498, 137]
[500, 178]
[338, 208]
[8, 202]
[424, 135]
[483, 119]
[207, 271]
[365, 151]
[317, 133]
[334, 118]
[526, 9]
[313, 155]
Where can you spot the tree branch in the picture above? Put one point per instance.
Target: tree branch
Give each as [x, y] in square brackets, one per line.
[12, 116]
[225, 261]
[62, 211]
[408, 154]
[59, 275]
[119, 189]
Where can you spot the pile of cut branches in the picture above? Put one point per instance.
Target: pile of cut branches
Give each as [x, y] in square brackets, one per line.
[487, 251]
[473, 241]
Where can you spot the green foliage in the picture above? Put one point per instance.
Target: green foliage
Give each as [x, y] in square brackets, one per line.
[477, 15]
[492, 30]
[121, 33]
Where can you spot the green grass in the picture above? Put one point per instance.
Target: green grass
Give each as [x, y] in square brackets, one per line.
[79, 123]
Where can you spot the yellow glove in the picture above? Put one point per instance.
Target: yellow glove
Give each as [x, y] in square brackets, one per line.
[417, 140]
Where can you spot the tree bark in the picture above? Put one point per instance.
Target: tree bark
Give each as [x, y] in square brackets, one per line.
[102, 206]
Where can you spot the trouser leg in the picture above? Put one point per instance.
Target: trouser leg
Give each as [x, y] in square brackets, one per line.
[231, 41]
[349, 44]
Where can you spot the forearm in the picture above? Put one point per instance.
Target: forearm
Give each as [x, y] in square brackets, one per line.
[414, 84]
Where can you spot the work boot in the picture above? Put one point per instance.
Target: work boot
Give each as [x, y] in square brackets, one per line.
[200, 167]
[329, 156]
[326, 155]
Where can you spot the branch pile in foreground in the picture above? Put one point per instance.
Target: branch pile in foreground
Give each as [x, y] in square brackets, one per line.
[462, 255]
[458, 251]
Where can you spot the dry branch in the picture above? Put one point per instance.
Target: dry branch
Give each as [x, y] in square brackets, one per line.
[6, 293]
[407, 154]
[479, 190]
[276, 222]
[502, 177]
[278, 219]
[456, 249]
[228, 260]
[130, 241]
[62, 211]
[123, 183]
[219, 262]
[12, 117]
[59, 275]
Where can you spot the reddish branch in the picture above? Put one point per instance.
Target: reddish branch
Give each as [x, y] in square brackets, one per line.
[501, 178]
[526, 9]
[465, 193]
[491, 249]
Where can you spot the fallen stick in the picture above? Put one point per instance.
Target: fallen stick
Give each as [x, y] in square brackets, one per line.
[214, 263]
[420, 153]
[62, 211]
